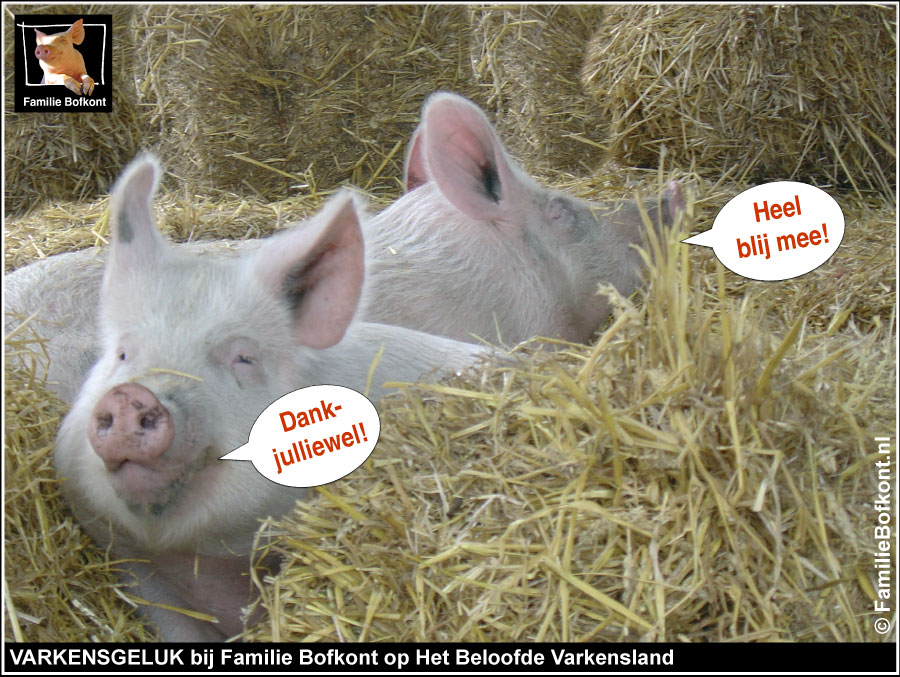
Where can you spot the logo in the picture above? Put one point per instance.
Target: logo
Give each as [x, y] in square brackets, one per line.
[63, 63]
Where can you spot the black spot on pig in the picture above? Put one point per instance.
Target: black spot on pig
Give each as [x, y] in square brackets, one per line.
[126, 232]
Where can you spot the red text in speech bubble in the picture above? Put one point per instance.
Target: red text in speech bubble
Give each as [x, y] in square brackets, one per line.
[311, 436]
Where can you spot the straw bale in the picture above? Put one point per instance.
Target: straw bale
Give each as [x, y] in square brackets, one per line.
[699, 473]
[528, 59]
[275, 100]
[757, 92]
[70, 156]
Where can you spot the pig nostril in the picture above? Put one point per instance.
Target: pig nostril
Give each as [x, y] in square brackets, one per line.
[148, 422]
[104, 421]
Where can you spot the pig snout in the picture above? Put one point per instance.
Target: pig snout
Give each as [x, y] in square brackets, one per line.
[129, 424]
[43, 52]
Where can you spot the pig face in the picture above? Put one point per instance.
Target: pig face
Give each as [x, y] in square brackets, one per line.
[478, 248]
[61, 62]
[55, 49]
[194, 348]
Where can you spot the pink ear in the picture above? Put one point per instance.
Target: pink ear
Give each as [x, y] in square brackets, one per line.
[466, 160]
[77, 32]
[414, 171]
[673, 201]
[317, 269]
[39, 34]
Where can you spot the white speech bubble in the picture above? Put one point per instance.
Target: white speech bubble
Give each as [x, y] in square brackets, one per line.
[311, 436]
[775, 231]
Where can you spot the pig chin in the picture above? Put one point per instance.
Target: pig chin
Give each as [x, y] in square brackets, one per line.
[151, 491]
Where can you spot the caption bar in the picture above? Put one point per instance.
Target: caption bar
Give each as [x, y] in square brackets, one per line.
[451, 658]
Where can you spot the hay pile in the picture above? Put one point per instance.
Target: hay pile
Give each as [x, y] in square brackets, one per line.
[702, 472]
[267, 102]
[759, 93]
[271, 101]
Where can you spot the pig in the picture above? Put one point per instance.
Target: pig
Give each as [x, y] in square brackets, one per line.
[477, 249]
[61, 62]
[194, 346]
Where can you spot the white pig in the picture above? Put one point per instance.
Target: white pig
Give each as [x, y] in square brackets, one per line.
[194, 348]
[477, 248]
[61, 62]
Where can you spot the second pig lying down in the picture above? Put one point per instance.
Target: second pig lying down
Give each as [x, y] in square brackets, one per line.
[476, 249]
[194, 348]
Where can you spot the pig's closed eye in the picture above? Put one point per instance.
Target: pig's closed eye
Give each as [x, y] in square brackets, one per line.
[245, 369]
[122, 356]
[241, 357]
[246, 363]
[560, 212]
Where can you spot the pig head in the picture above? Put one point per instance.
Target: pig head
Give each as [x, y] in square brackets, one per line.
[478, 249]
[61, 62]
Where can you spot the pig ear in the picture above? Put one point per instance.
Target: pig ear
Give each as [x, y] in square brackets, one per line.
[317, 269]
[39, 34]
[673, 202]
[466, 160]
[414, 171]
[135, 239]
[77, 32]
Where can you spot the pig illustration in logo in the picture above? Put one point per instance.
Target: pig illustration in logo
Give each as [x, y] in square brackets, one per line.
[61, 62]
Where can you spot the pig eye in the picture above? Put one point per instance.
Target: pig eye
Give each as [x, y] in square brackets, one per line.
[126, 348]
[242, 358]
[245, 370]
[560, 213]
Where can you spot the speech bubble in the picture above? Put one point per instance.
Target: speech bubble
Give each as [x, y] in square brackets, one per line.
[311, 436]
[775, 231]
